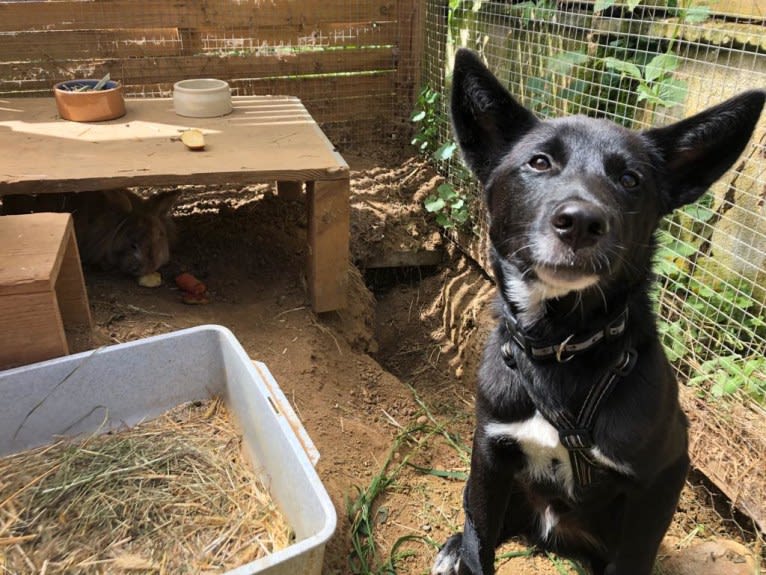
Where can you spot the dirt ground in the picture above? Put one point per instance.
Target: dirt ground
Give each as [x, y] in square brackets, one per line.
[384, 388]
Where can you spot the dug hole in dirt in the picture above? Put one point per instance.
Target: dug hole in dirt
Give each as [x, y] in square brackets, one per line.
[385, 387]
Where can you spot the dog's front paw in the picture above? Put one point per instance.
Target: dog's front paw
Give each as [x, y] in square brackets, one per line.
[447, 561]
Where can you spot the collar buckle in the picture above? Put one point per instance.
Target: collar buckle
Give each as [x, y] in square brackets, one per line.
[561, 348]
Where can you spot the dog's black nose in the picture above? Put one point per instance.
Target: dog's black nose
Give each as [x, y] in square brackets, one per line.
[579, 224]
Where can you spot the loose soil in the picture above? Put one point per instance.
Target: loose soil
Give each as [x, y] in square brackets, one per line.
[400, 359]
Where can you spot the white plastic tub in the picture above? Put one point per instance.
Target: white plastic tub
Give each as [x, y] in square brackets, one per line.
[128, 383]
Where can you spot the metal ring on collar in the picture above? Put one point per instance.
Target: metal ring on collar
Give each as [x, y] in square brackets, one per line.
[561, 348]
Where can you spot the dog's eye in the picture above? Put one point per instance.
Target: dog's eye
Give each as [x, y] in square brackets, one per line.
[629, 180]
[540, 163]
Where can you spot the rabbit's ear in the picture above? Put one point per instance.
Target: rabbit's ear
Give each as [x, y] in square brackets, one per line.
[119, 199]
[161, 204]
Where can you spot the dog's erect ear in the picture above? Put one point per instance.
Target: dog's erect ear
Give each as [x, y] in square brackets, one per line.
[697, 151]
[486, 119]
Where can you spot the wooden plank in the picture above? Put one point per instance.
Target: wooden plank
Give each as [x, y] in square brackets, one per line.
[409, 15]
[33, 247]
[80, 44]
[40, 76]
[331, 34]
[99, 45]
[30, 329]
[753, 9]
[149, 70]
[264, 139]
[70, 288]
[119, 14]
[329, 211]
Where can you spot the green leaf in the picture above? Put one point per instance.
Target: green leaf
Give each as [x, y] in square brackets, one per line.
[602, 5]
[683, 248]
[433, 204]
[563, 62]
[696, 14]
[659, 66]
[418, 116]
[445, 151]
[647, 93]
[627, 68]
[672, 92]
[460, 216]
[633, 4]
[699, 213]
[446, 474]
[444, 222]
[446, 192]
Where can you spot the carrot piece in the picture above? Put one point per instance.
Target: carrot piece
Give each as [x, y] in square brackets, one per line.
[188, 283]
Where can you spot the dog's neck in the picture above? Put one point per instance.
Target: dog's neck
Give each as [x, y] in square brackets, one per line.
[548, 319]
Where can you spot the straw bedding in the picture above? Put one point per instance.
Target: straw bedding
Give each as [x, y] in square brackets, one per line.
[173, 495]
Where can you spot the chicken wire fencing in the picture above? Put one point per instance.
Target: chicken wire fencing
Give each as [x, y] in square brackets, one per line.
[349, 62]
[642, 64]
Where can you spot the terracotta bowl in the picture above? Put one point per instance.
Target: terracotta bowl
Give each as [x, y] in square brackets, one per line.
[90, 105]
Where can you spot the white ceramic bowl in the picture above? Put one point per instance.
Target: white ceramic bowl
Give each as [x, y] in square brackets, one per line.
[202, 98]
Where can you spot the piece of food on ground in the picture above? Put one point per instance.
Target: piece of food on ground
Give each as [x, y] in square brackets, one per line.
[151, 280]
[189, 284]
[193, 139]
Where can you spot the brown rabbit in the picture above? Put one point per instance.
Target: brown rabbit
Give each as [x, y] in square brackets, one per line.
[115, 229]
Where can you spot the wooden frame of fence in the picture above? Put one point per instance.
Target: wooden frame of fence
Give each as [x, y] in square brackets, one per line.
[353, 64]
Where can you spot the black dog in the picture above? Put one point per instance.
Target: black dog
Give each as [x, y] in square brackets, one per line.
[580, 444]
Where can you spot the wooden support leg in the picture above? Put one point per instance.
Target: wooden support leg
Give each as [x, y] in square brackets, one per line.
[290, 190]
[329, 209]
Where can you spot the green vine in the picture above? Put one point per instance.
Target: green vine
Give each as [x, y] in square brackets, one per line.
[708, 319]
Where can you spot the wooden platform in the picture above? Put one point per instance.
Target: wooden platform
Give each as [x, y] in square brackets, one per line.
[265, 139]
[42, 291]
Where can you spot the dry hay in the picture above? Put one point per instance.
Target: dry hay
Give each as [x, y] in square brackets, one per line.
[173, 495]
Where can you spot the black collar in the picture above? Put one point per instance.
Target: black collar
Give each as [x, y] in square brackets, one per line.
[561, 351]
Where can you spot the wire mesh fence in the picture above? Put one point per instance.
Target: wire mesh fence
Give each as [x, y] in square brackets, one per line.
[642, 64]
[350, 62]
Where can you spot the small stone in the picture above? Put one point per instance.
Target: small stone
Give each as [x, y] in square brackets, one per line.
[715, 557]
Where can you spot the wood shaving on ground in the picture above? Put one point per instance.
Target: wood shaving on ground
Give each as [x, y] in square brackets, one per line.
[173, 495]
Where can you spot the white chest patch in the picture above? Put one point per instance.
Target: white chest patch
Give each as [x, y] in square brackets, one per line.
[547, 458]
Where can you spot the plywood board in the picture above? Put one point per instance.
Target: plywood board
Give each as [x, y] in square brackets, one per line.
[263, 139]
[32, 251]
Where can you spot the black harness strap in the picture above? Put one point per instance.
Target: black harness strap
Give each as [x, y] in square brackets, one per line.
[576, 433]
